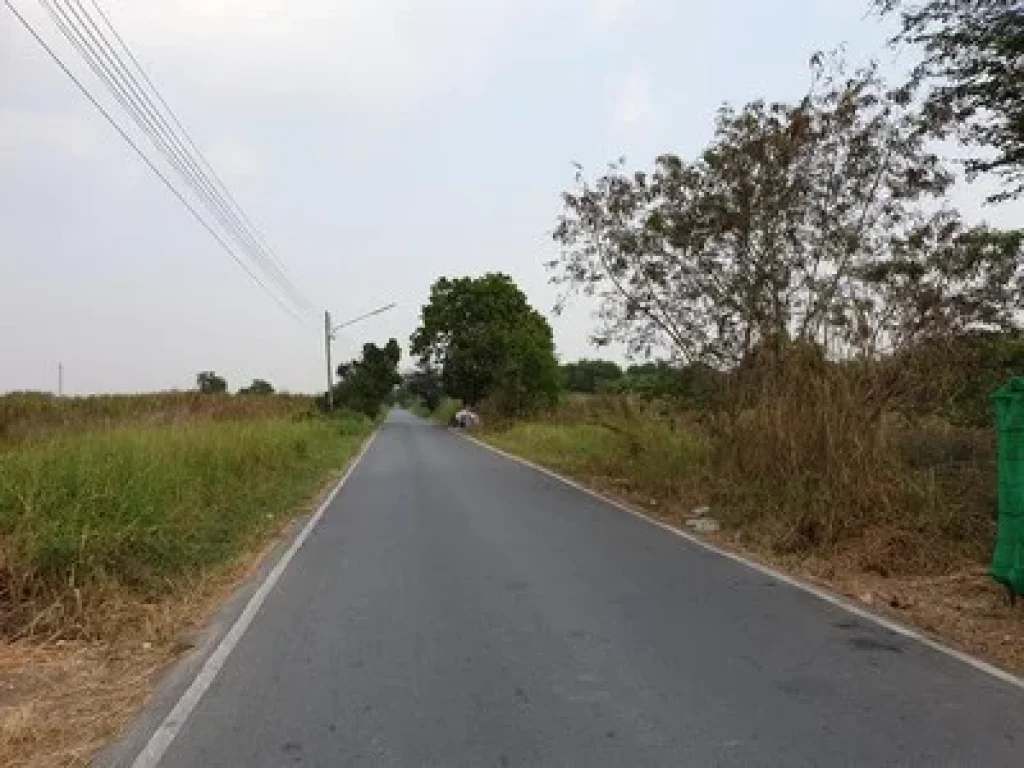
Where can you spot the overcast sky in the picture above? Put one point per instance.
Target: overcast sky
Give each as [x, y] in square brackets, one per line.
[378, 144]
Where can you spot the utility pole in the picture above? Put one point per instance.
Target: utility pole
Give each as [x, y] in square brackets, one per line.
[60, 379]
[329, 332]
[330, 371]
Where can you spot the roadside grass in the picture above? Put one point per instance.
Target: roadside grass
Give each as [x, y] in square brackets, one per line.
[117, 542]
[141, 509]
[444, 412]
[650, 460]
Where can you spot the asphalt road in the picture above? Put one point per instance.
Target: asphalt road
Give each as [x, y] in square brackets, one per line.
[455, 608]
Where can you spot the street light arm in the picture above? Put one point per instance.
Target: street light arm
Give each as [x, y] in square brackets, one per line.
[355, 320]
[329, 332]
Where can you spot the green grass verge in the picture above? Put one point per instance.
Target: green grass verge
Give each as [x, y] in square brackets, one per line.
[446, 410]
[649, 457]
[141, 508]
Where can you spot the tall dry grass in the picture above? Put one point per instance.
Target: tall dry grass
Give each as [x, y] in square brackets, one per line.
[804, 459]
[28, 416]
[812, 461]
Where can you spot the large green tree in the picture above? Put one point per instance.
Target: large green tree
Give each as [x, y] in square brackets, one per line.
[487, 341]
[971, 76]
[366, 384]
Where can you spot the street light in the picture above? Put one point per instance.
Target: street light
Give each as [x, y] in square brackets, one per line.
[329, 331]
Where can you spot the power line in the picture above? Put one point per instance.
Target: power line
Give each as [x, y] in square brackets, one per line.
[221, 185]
[86, 36]
[152, 124]
[88, 53]
[142, 155]
[217, 191]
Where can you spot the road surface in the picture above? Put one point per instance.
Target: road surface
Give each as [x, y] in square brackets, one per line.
[455, 608]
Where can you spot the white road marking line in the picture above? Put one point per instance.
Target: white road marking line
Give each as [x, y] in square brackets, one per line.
[828, 597]
[162, 737]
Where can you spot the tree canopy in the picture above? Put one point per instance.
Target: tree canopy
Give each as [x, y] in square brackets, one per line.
[820, 223]
[487, 341]
[209, 383]
[258, 387]
[365, 385]
[972, 77]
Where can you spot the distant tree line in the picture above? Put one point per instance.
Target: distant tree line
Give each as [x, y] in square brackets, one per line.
[209, 383]
[694, 383]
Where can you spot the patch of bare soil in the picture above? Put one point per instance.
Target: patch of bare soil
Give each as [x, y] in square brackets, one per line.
[60, 703]
[965, 609]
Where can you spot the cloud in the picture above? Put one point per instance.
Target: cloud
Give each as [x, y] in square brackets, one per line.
[634, 105]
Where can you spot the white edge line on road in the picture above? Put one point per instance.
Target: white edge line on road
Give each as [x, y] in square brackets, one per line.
[822, 594]
[162, 737]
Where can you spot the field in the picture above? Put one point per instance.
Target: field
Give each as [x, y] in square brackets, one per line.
[123, 522]
[899, 514]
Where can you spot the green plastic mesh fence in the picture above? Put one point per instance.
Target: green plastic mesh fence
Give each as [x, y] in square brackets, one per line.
[1008, 558]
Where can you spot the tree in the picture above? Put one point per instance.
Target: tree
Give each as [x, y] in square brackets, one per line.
[485, 339]
[972, 77]
[366, 384]
[589, 376]
[258, 387]
[425, 384]
[209, 383]
[811, 224]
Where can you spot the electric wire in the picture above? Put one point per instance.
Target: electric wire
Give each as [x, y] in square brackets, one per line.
[145, 159]
[188, 138]
[84, 34]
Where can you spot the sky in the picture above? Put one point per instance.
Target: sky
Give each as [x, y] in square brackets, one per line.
[377, 144]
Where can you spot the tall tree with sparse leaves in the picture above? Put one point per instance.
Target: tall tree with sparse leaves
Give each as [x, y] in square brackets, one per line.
[813, 223]
[971, 76]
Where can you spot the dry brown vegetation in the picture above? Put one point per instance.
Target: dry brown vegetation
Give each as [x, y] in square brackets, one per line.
[31, 415]
[62, 700]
